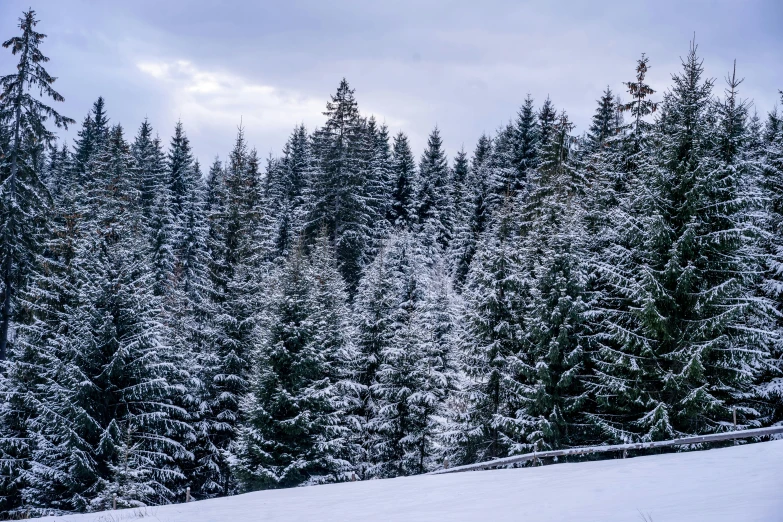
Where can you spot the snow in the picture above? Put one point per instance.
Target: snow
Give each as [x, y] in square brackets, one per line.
[741, 483]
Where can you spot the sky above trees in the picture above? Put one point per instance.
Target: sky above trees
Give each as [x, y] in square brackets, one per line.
[463, 65]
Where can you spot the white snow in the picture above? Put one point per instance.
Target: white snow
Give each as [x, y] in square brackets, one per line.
[736, 484]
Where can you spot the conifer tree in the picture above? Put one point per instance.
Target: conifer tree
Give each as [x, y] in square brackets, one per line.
[92, 136]
[294, 434]
[235, 211]
[379, 185]
[287, 180]
[149, 163]
[338, 188]
[614, 236]
[554, 396]
[434, 199]
[403, 169]
[695, 291]
[503, 170]
[111, 425]
[525, 142]
[24, 203]
[460, 177]
[374, 306]
[640, 106]
[602, 127]
[547, 116]
[768, 155]
[23, 198]
[474, 214]
[411, 380]
[485, 425]
[57, 168]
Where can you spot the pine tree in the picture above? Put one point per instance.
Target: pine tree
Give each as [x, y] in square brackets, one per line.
[294, 434]
[403, 169]
[525, 142]
[701, 265]
[555, 396]
[234, 214]
[474, 214]
[602, 128]
[23, 198]
[434, 198]
[485, 423]
[338, 189]
[411, 380]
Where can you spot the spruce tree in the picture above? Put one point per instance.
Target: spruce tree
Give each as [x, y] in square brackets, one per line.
[380, 184]
[288, 178]
[149, 165]
[111, 425]
[696, 290]
[473, 215]
[617, 189]
[556, 344]
[338, 186]
[640, 106]
[503, 170]
[294, 435]
[233, 199]
[547, 116]
[602, 127]
[434, 198]
[23, 198]
[485, 423]
[411, 380]
[769, 159]
[403, 169]
[525, 142]
[460, 177]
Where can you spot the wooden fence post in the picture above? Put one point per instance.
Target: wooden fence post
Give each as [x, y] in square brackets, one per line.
[187, 494]
[114, 501]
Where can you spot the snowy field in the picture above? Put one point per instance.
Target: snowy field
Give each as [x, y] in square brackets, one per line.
[739, 484]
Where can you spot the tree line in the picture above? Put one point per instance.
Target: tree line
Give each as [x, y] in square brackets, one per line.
[342, 311]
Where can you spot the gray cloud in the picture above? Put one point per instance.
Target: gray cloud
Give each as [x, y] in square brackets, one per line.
[465, 66]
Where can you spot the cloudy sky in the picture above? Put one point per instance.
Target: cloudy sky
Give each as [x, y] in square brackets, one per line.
[463, 65]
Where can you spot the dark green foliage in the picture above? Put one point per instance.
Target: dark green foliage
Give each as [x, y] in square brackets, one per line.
[403, 168]
[434, 196]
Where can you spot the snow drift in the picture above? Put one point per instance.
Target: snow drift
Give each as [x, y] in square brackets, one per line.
[742, 483]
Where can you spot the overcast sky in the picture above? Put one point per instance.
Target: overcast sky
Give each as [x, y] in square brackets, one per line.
[465, 66]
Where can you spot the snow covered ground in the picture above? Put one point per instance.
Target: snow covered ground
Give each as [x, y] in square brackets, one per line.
[738, 484]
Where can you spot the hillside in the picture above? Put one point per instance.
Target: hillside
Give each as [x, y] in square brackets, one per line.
[742, 483]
